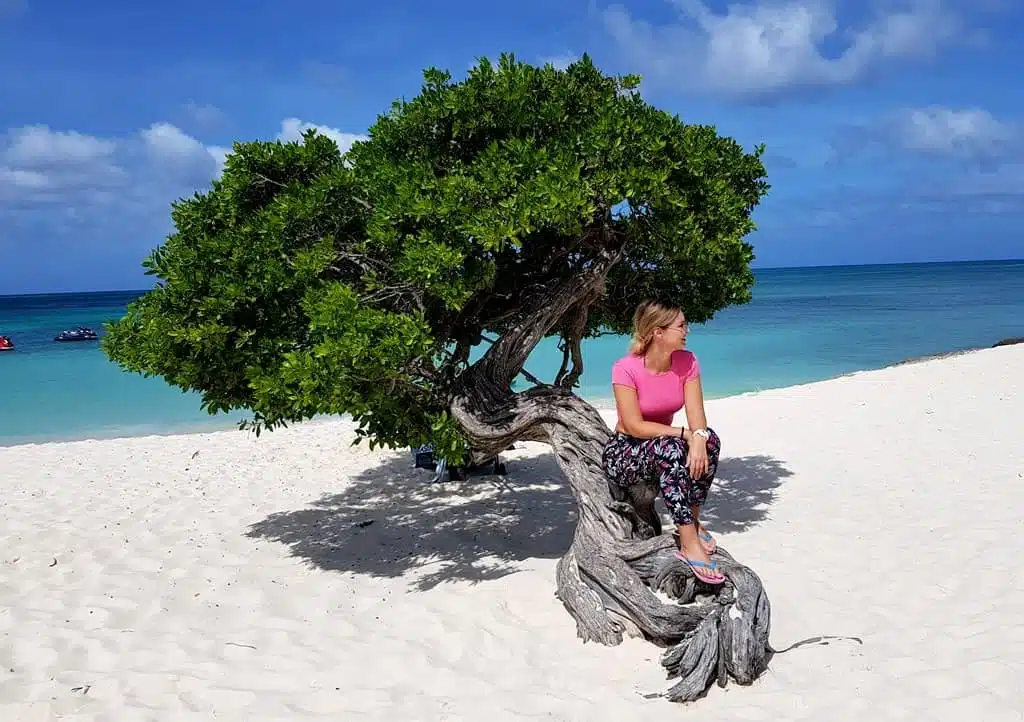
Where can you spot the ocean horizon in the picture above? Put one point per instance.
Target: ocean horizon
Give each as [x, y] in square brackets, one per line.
[804, 324]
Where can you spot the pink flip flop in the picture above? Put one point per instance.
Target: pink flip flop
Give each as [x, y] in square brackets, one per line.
[697, 566]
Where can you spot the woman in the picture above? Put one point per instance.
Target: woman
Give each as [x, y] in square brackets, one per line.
[651, 383]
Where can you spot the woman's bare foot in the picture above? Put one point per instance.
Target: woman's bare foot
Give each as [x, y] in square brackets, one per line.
[706, 540]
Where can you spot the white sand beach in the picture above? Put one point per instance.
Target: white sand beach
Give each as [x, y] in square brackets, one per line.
[293, 577]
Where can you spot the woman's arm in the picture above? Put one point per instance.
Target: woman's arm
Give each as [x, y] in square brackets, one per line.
[697, 458]
[633, 421]
[694, 396]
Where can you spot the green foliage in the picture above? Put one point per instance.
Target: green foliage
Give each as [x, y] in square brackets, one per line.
[304, 282]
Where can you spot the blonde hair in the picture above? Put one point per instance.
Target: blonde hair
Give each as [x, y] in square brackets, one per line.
[648, 317]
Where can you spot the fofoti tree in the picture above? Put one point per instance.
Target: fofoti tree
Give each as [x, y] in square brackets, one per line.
[519, 203]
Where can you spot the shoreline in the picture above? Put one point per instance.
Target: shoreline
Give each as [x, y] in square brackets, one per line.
[602, 404]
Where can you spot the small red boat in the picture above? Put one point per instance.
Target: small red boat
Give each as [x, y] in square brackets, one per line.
[6, 344]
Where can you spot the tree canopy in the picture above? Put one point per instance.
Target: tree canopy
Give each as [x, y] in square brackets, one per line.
[307, 282]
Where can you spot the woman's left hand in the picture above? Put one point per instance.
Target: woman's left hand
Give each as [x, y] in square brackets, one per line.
[697, 457]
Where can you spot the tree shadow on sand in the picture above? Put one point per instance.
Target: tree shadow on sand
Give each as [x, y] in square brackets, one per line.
[389, 521]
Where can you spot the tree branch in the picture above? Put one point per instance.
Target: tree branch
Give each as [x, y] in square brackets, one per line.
[264, 178]
[572, 336]
[529, 377]
[504, 360]
[563, 346]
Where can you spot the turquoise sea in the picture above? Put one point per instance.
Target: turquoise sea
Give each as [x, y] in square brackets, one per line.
[804, 324]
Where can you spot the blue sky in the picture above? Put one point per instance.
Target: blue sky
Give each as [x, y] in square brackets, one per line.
[895, 128]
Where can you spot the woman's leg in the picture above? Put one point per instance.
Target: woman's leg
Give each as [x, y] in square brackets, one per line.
[699, 489]
[625, 460]
[677, 491]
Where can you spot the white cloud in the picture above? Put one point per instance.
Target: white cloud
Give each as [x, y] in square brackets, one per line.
[182, 155]
[168, 141]
[40, 165]
[43, 165]
[71, 185]
[204, 116]
[765, 48]
[293, 128]
[971, 135]
[220, 154]
[560, 62]
[81, 211]
[947, 131]
[170, 144]
[19, 178]
[38, 145]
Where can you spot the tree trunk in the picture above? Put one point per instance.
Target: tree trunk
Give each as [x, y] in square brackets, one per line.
[619, 559]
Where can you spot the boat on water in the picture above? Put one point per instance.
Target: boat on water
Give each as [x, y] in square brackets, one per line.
[76, 334]
[6, 344]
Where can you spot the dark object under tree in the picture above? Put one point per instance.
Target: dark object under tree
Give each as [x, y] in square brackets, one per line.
[520, 203]
[423, 458]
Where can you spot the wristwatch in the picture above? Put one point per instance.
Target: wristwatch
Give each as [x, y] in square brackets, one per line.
[702, 433]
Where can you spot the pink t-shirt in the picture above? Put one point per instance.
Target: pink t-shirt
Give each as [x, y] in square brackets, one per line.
[660, 394]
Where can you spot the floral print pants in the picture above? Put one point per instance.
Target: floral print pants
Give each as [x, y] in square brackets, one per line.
[628, 460]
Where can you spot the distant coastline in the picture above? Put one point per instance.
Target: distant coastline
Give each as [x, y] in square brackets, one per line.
[899, 264]
[1013, 341]
[756, 269]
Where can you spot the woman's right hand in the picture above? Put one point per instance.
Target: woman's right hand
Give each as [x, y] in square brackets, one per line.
[697, 456]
